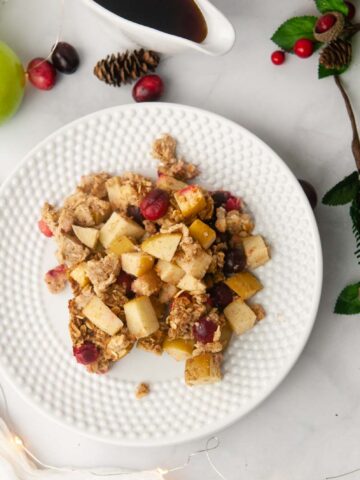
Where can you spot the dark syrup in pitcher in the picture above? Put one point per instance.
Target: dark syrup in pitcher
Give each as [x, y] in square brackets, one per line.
[177, 17]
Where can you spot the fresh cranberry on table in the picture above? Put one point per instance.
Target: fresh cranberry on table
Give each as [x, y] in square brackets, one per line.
[155, 204]
[41, 74]
[148, 89]
[204, 330]
[65, 58]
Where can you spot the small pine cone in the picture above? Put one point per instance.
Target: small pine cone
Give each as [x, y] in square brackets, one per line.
[334, 31]
[124, 68]
[336, 55]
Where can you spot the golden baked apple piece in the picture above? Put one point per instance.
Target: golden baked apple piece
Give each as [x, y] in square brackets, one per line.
[141, 317]
[169, 272]
[191, 284]
[79, 275]
[178, 348]
[118, 225]
[256, 251]
[162, 245]
[101, 316]
[166, 182]
[87, 235]
[195, 262]
[120, 245]
[136, 263]
[204, 234]
[203, 369]
[245, 284]
[240, 316]
[190, 200]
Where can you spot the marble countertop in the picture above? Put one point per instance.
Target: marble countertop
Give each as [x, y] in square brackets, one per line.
[309, 427]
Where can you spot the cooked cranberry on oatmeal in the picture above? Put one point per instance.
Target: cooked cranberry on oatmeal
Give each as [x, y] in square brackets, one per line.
[162, 265]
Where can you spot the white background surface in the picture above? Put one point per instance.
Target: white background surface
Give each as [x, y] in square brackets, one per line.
[310, 427]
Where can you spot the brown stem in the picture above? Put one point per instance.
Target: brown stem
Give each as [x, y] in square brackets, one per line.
[351, 30]
[355, 146]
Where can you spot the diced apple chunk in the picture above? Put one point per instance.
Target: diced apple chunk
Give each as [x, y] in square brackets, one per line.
[202, 233]
[87, 236]
[141, 317]
[203, 369]
[136, 263]
[190, 200]
[226, 334]
[191, 284]
[119, 194]
[169, 272]
[118, 225]
[166, 182]
[79, 275]
[197, 265]
[245, 284]
[178, 348]
[121, 245]
[162, 245]
[256, 251]
[240, 316]
[101, 316]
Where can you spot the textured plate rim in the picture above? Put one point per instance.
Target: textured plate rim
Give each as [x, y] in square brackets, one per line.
[229, 420]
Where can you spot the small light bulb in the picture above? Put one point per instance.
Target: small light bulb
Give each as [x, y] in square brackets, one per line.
[18, 441]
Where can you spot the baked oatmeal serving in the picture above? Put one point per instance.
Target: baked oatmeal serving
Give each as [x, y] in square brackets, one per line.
[164, 265]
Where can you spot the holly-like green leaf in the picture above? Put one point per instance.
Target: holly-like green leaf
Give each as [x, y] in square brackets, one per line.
[348, 302]
[355, 217]
[343, 192]
[327, 72]
[294, 29]
[332, 5]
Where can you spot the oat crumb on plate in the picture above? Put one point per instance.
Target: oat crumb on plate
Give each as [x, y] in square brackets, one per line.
[142, 390]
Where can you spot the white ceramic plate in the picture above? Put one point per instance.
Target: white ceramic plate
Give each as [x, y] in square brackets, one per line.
[35, 349]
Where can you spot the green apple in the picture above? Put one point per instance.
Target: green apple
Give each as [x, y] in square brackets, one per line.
[12, 82]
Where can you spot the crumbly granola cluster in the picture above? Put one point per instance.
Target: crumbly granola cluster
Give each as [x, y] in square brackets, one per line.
[162, 265]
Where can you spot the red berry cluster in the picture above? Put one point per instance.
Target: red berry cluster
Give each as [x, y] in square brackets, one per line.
[304, 47]
[42, 72]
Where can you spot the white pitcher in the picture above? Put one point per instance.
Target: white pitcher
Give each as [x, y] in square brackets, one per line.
[219, 40]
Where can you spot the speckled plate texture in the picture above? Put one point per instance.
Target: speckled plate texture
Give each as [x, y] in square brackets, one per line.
[35, 349]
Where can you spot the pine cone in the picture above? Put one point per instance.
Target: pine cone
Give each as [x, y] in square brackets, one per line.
[124, 68]
[336, 55]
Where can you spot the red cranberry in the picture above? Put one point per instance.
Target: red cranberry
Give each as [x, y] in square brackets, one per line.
[86, 353]
[220, 295]
[54, 272]
[235, 261]
[126, 280]
[134, 212]
[310, 192]
[352, 10]
[65, 58]
[233, 203]
[278, 57]
[148, 89]
[44, 229]
[41, 73]
[325, 22]
[220, 198]
[204, 330]
[304, 48]
[155, 204]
